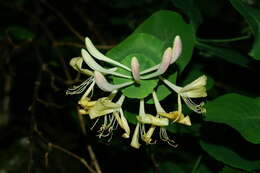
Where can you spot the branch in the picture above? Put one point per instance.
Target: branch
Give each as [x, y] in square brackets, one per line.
[64, 20]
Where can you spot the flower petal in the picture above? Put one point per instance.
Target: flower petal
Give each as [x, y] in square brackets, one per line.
[95, 66]
[135, 139]
[166, 61]
[177, 49]
[103, 84]
[94, 52]
[150, 119]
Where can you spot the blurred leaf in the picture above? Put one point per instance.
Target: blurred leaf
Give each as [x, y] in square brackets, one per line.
[252, 16]
[191, 9]
[228, 156]
[170, 168]
[203, 169]
[165, 25]
[227, 169]
[18, 32]
[240, 112]
[226, 54]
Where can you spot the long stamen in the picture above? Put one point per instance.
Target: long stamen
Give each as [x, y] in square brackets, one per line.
[103, 84]
[95, 66]
[80, 88]
[177, 49]
[166, 61]
[94, 52]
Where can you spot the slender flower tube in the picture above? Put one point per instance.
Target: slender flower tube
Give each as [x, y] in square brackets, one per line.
[139, 127]
[103, 84]
[166, 61]
[135, 69]
[95, 53]
[121, 120]
[95, 66]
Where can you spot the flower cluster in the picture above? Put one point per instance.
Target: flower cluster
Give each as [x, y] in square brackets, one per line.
[110, 109]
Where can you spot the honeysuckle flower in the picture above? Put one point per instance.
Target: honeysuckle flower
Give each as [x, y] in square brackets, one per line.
[175, 53]
[163, 66]
[195, 89]
[76, 63]
[157, 121]
[111, 113]
[135, 66]
[139, 128]
[95, 66]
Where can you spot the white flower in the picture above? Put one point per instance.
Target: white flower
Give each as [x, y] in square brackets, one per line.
[112, 113]
[195, 89]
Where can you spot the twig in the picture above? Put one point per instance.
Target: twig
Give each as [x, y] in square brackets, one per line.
[57, 147]
[82, 123]
[82, 160]
[64, 20]
[195, 167]
[93, 158]
[51, 38]
[104, 47]
[32, 108]
[155, 164]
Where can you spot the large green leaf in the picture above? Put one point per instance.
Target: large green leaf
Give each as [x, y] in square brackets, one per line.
[139, 43]
[165, 25]
[230, 170]
[229, 55]
[230, 157]
[252, 16]
[240, 112]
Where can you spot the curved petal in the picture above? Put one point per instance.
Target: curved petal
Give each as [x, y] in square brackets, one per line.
[94, 52]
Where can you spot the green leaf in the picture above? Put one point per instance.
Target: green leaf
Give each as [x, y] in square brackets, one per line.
[170, 168]
[19, 32]
[252, 16]
[240, 112]
[227, 169]
[145, 87]
[145, 44]
[165, 25]
[228, 156]
[226, 54]
[190, 8]
[131, 117]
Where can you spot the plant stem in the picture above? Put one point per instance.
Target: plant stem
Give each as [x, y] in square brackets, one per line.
[195, 167]
[224, 40]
